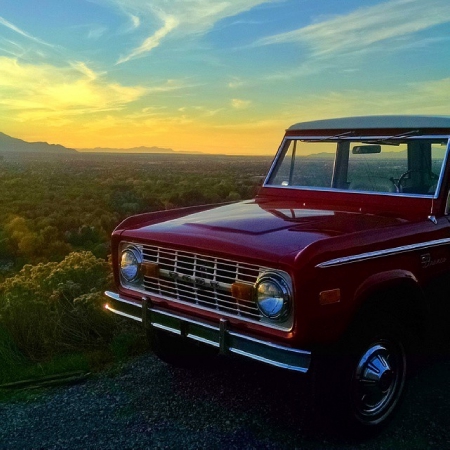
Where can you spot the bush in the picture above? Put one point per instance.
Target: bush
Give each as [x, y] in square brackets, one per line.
[56, 307]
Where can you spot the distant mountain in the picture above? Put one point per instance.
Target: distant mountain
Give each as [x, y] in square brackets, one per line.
[10, 144]
[141, 149]
[14, 145]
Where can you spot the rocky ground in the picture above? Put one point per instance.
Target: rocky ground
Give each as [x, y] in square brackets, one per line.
[230, 405]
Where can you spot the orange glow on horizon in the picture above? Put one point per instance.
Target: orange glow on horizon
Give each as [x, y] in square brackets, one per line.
[203, 138]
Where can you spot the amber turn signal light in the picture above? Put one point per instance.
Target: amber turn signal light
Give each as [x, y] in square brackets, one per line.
[150, 270]
[242, 291]
[329, 297]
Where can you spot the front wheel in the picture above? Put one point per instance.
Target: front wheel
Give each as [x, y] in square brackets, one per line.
[360, 384]
[377, 380]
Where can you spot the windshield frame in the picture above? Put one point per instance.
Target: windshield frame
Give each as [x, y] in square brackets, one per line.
[351, 137]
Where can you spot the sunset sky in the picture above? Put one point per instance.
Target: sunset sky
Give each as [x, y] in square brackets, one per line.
[212, 75]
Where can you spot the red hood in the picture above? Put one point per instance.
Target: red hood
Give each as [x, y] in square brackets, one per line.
[262, 231]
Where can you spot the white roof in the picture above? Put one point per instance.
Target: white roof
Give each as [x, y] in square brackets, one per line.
[372, 122]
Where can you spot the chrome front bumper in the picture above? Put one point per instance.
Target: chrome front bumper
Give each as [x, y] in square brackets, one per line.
[219, 336]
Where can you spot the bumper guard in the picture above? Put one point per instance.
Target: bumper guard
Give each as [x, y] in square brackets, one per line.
[221, 337]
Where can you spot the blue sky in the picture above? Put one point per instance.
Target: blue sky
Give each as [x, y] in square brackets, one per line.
[212, 75]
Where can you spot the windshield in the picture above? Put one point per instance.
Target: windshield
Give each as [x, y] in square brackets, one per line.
[400, 166]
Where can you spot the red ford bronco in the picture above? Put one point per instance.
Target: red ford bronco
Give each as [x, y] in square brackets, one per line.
[339, 268]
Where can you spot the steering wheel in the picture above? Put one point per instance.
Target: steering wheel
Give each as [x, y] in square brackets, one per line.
[399, 183]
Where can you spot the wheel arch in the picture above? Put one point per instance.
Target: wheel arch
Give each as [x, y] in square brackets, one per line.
[397, 293]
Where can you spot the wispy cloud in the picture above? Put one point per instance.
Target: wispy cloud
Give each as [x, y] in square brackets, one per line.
[406, 100]
[12, 27]
[238, 103]
[183, 17]
[170, 23]
[236, 83]
[66, 91]
[96, 32]
[135, 20]
[83, 69]
[9, 47]
[367, 26]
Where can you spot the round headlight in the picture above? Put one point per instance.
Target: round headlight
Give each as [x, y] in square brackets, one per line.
[273, 295]
[130, 264]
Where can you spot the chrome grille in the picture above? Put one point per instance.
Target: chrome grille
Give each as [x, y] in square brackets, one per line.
[201, 280]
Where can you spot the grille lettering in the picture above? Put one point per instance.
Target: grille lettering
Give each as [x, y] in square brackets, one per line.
[194, 280]
[200, 281]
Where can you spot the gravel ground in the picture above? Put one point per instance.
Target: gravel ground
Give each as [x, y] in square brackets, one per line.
[230, 405]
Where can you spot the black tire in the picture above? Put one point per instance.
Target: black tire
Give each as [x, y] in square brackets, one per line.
[178, 351]
[359, 385]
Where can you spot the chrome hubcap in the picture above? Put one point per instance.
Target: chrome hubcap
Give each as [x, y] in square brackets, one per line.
[378, 381]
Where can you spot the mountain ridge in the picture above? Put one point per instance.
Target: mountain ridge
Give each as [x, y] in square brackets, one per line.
[141, 149]
[11, 144]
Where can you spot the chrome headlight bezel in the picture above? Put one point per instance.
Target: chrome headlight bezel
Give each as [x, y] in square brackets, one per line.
[130, 264]
[274, 307]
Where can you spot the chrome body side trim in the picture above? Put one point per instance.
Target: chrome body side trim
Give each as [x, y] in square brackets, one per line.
[382, 253]
[218, 335]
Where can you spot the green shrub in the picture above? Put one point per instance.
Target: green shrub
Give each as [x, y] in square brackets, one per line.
[10, 356]
[52, 307]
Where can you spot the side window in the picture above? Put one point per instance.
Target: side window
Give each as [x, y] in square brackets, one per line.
[425, 158]
[437, 159]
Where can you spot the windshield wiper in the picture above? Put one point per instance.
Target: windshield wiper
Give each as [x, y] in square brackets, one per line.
[387, 140]
[352, 135]
[331, 138]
